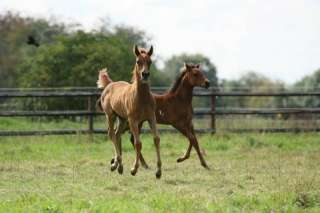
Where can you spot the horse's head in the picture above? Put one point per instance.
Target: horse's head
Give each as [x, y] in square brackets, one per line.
[195, 76]
[143, 63]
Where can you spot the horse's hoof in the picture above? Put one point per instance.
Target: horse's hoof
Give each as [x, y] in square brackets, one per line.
[133, 172]
[179, 160]
[206, 166]
[112, 161]
[113, 167]
[158, 174]
[120, 169]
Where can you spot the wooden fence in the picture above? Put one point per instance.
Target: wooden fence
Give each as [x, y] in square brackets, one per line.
[91, 95]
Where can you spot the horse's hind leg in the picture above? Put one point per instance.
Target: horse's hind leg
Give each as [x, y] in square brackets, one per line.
[156, 140]
[111, 133]
[134, 128]
[121, 128]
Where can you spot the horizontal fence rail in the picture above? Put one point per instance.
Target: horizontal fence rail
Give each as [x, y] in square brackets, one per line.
[91, 94]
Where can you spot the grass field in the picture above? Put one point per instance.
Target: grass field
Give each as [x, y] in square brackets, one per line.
[222, 123]
[249, 173]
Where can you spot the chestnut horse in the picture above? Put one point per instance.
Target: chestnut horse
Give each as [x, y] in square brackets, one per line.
[174, 107]
[131, 104]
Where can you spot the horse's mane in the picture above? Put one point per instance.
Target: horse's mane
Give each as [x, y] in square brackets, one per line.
[178, 80]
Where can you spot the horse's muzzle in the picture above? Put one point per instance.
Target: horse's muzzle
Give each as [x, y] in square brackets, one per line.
[145, 76]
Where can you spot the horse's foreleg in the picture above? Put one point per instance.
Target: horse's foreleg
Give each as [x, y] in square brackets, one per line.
[189, 133]
[193, 140]
[156, 140]
[137, 144]
[186, 155]
[183, 130]
[143, 162]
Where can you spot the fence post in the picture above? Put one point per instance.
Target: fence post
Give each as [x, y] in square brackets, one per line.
[90, 116]
[213, 113]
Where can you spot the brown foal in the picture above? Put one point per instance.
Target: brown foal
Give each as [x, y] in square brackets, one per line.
[130, 104]
[174, 107]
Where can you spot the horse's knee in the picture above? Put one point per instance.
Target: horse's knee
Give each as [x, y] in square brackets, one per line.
[110, 134]
[156, 140]
[193, 139]
[138, 145]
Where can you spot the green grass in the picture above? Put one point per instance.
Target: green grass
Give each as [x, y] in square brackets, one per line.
[249, 173]
[222, 123]
[40, 124]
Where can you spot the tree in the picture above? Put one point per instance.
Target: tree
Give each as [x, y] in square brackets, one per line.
[252, 82]
[308, 83]
[14, 33]
[74, 60]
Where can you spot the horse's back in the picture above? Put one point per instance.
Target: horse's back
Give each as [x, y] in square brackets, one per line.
[118, 85]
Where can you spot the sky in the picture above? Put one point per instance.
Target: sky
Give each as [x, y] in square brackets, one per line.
[277, 38]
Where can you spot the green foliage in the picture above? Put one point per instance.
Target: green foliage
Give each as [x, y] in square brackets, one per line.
[14, 31]
[308, 83]
[252, 82]
[65, 58]
[74, 60]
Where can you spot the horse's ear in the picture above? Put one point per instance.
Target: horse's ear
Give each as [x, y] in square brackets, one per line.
[136, 50]
[187, 66]
[150, 51]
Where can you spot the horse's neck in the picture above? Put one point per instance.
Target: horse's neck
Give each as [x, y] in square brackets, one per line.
[142, 90]
[184, 92]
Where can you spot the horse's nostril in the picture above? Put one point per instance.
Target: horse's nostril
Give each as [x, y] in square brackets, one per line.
[145, 74]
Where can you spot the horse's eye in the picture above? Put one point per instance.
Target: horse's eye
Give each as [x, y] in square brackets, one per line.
[139, 63]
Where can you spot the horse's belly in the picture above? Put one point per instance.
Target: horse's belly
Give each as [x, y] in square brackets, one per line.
[119, 108]
[172, 116]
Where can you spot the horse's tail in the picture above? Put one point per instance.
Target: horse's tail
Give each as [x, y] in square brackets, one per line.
[104, 79]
